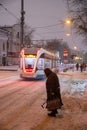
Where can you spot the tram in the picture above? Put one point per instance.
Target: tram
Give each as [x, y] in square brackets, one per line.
[34, 60]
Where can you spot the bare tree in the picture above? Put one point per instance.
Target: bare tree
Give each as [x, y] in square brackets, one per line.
[28, 34]
[78, 12]
[58, 45]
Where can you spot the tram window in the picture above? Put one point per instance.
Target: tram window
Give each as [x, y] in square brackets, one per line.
[48, 63]
[29, 63]
[40, 64]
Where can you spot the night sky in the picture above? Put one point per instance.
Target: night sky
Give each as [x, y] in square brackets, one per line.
[44, 16]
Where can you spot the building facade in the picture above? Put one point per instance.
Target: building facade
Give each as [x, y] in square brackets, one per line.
[3, 46]
[9, 45]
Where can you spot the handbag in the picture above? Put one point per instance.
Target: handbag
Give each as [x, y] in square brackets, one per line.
[53, 104]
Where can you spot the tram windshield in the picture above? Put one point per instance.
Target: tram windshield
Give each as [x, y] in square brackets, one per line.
[29, 63]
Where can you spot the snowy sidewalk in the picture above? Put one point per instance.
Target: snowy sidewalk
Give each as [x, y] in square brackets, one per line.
[9, 68]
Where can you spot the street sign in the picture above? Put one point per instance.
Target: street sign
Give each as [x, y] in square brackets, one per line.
[65, 52]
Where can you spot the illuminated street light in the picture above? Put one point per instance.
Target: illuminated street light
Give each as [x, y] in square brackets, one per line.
[75, 47]
[68, 34]
[68, 22]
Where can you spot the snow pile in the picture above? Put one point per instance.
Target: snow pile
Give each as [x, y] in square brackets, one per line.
[73, 87]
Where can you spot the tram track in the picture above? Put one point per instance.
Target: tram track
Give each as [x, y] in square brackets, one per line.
[16, 94]
[18, 101]
[12, 88]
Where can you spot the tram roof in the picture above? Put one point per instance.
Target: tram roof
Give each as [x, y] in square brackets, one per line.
[31, 50]
[34, 50]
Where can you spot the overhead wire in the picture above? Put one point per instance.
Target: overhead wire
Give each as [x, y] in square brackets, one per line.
[48, 26]
[29, 27]
[38, 27]
[53, 32]
[9, 11]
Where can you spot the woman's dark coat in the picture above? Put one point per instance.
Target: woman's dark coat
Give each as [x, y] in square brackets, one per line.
[52, 85]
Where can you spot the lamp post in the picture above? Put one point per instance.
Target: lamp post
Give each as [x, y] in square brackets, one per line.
[68, 23]
[75, 53]
[22, 25]
[75, 50]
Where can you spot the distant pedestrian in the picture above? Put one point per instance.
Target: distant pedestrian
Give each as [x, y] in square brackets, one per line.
[77, 66]
[81, 67]
[52, 89]
[84, 66]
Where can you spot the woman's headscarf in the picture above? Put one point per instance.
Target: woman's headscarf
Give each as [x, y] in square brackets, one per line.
[47, 72]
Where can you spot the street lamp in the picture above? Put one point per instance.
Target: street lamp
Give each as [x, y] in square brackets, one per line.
[75, 47]
[68, 34]
[68, 22]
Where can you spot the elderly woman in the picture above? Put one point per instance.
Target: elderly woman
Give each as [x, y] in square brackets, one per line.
[52, 89]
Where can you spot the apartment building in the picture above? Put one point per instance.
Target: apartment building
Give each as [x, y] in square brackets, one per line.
[9, 44]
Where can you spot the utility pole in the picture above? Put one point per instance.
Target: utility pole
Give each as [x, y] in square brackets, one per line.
[22, 25]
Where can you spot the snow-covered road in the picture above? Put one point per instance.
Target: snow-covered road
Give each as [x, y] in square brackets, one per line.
[20, 104]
